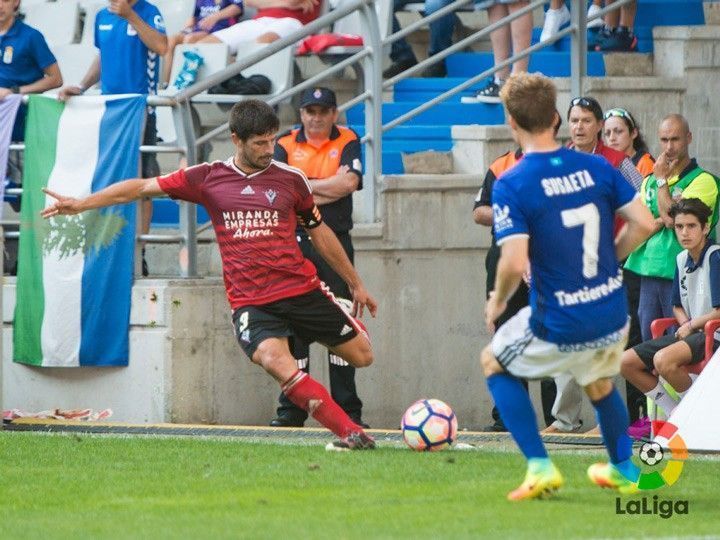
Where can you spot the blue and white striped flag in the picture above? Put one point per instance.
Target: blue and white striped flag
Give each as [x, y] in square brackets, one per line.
[75, 272]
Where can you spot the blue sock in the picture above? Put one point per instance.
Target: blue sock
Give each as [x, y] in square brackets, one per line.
[516, 410]
[614, 421]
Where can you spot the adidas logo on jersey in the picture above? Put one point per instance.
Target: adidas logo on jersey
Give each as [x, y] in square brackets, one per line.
[247, 191]
[345, 330]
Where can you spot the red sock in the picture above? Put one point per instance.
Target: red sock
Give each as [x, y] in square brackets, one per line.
[310, 395]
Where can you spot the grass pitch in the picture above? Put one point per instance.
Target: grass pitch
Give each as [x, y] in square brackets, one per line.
[79, 486]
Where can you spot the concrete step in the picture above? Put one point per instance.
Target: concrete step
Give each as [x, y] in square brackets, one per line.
[648, 98]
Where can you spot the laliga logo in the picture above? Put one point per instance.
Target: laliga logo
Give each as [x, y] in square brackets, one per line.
[651, 453]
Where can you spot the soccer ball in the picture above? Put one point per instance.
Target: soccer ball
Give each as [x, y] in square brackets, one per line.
[429, 424]
[651, 453]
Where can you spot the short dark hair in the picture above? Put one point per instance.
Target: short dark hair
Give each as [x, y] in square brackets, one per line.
[692, 206]
[252, 117]
[586, 103]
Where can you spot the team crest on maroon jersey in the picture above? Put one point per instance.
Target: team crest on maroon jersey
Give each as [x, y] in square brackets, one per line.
[270, 194]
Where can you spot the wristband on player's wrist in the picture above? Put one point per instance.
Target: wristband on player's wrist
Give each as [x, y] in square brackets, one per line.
[14, 89]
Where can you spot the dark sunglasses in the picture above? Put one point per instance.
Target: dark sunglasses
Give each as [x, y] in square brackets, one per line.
[621, 113]
[587, 103]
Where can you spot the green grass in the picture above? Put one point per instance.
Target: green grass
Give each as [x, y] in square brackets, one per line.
[112, 487]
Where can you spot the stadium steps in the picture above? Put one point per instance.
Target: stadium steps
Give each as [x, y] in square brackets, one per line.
[554, 61]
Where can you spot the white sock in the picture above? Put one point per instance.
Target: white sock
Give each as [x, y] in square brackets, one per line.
[662, 399]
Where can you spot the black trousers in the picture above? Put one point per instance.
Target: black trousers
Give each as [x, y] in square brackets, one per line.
[635, 398]
[342, 377]
[519, 300]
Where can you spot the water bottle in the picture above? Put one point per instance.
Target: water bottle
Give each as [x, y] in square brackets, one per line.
[189, 71]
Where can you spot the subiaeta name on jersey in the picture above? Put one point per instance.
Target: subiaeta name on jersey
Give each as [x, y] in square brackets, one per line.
[565, 185]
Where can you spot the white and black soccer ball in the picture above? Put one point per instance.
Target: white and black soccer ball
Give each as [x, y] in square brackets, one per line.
[651, 453]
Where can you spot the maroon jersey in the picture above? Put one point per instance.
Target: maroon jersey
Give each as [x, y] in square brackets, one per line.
[254, 217]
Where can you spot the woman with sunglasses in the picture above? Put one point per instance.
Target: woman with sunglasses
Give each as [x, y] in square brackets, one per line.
[622, 133]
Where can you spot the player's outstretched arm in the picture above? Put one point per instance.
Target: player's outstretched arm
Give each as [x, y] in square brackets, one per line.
[640, 225]
[119, 193]
[330, 249]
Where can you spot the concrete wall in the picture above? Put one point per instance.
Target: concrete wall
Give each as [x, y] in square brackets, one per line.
[425, 265]
[185, 365]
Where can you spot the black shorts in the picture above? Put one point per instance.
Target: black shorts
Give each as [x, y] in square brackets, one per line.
[647, 349]
[313, 316]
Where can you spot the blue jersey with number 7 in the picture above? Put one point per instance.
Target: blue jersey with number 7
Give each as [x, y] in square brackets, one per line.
[565, 202]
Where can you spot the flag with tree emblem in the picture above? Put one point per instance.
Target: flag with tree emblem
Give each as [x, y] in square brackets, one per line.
[75, 272]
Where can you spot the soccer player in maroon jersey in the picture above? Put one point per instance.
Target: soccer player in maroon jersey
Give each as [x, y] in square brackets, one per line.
[255, 204]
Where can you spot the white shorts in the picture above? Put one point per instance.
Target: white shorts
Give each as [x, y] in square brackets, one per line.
[522, 354]
[245, 31]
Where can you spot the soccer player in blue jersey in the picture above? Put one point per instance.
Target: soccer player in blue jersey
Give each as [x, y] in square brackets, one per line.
[553, 214]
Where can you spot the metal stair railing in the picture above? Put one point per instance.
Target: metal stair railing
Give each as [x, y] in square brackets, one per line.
[187, 143]
[578, 52]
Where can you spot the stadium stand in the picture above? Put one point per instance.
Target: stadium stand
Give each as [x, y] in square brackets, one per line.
[175, 13]
[432, 130]
[58, 21]
[74, 60]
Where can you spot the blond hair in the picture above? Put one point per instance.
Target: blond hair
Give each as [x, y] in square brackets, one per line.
[530, 100]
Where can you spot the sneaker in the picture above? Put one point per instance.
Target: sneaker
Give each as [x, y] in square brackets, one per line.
[355, 441]
[495, 428]
[539, 482]
[554, 20]
[618, 40]
[552, 429]
[436, 71]
[595, 23]
[597, 36]
[606, 475]
[640, 429]
[398, 67]
[286, 421]
[489, 94]
[358, 420]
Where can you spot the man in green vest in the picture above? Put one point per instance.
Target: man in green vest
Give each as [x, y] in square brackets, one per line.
[675, 176]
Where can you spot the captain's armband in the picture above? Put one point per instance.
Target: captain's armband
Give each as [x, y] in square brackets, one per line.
[310, 218]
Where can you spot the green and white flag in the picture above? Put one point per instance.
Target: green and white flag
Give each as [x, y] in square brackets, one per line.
[75, 272]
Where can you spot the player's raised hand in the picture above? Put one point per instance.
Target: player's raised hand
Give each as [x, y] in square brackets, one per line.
[121, 8]
[361, 300]
[493, 309]
[64, 206]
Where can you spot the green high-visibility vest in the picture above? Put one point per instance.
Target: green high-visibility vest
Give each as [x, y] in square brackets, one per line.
[656, 256]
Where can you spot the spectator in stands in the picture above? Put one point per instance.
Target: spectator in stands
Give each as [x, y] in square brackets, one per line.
[26, 64]
[675, 176]
[441, 32]
[26, 67]
[130, 37]
[209, 16]
[514, 38]
[622, 133]
[556, 17]
[329, 155]
[617, 33]
[275, 19]
[585, 117]
[695, 301]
